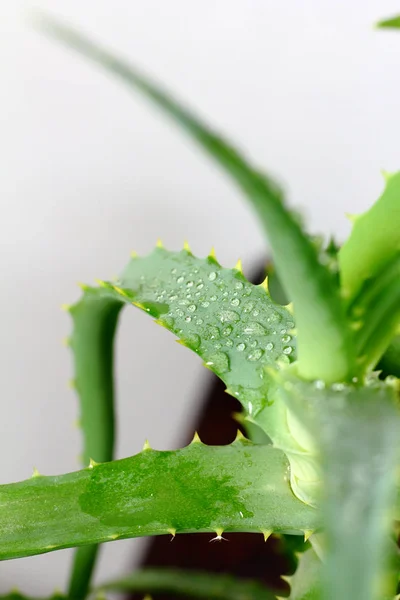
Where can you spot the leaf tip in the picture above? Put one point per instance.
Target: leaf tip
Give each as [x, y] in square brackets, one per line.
[186, 247]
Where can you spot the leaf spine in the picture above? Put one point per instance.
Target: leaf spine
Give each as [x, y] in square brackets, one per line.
[218, 537]
[264, 284]
[351, 217]
[159, 244]
[83, 286]
[267, 534]
[92, 463]
[35, 473]
[239, 266]
[172, 531]
[120, 291]
[308, 533]
[240, 437]
[101, 283]
[212, 254]
[66, 307]
[186, 246]
[196, 439]
[289, 307]
[134, 254]
[146, 446]
[140, 305]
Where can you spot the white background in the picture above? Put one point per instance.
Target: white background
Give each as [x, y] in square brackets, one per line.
[90, 172]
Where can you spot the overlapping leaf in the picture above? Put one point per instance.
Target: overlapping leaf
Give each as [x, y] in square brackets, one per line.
[191, 583]
[241, 487]
[325, 341]
[233, 325]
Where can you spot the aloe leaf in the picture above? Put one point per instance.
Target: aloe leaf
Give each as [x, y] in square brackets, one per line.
[374, 241]
[233, 325]
[325, 341]
[196, 584]
[305, 584]
[392, 23]
[94, 325]
[357, 429]
[241, 487]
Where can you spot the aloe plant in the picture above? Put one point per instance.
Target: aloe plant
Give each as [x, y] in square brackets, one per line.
[316, 376]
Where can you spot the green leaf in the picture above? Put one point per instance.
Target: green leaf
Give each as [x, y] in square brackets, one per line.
[392, 23]
[305, 584]
[241, 487]
[94, 325]
[374, 241]
[233, 325]
[325, 341]
[376, 313]
[196, 584]
[357, 429]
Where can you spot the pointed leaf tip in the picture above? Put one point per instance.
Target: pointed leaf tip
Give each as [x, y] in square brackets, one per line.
[159, 244]
[186, 246]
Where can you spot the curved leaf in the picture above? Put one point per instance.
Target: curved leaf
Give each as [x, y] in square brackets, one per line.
[374, 241]
[305, 584]
[241, 487]
[95, 321]
[392, 23]
[233, 325]
[325, 340]
[196, 584]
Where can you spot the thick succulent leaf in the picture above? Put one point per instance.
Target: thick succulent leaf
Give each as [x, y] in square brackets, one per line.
[374, 241]
[94, 325]
[392, 23]
[357, 429]
[305, 584]
[376, 314]
[233, 325]
[325, 340]
[241, 487]
[195, 584]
